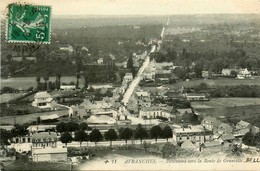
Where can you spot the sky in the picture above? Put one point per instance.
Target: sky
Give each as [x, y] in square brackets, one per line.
[143, 7]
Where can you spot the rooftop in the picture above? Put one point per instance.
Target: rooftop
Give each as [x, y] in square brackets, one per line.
[191, 129]
[42, 95]
[44, 135]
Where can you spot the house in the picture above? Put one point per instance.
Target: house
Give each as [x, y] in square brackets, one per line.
[44, 139]
[44, 148]
[226, 72]
[128, 77]
[100, 61]
[77, 111]
[196, 134]
[225, 128]
[196, 97]
[227, 138]
[184, 111]
[142, 94]
[155, 111]
[95, 106]
[242, 127]
[67, 48]
[205, 74]
[243, 73]
[43, 100]
[68, 87]
[211, 124]
[22, 139]
[149, 76]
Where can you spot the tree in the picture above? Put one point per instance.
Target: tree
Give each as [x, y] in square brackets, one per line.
[111, 135]
[5, 136]
[248, 139]
[58, 77]
[19, 130]
[126, 134]
[38, 80]
[66, 138]
[84, 126]
[46, 78]
[140, 133]
[81, 136]
[95, 136]
[72, 126]
[61, 127]
[86, 81]
[78, 77]
[167, 132]
[156, 132]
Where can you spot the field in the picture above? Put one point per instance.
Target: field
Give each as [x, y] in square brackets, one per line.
[26, 82]
[226, 102]
[9, 96]
[236, 109]
[215, 82]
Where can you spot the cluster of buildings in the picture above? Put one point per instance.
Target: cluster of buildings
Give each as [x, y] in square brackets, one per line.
[44, 146]
[239, 73]
[211, 133]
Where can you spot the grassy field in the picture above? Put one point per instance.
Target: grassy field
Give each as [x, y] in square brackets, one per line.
[9, 96]
[215, 82]
[225, 102]
[26, 82]
[247, 109]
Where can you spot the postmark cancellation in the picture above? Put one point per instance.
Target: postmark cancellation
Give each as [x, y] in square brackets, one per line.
[28, 24]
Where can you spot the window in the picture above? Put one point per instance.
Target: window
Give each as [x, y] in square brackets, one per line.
[36, 140]
[180, 137]
[188, 137]
[29, 139]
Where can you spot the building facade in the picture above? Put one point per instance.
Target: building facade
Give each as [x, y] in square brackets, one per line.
[196, 134]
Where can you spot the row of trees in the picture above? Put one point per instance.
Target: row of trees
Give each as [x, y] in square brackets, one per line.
[124, 134]
[72, 127]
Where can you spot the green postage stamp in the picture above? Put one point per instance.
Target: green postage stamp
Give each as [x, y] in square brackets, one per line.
[28, 23]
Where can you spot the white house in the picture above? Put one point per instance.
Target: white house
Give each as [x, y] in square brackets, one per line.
[243, 73]
[128, 78]
[44, 148]
[155, 111]
[43, 100]
[100, 61]
[68, 48]
[196, 134]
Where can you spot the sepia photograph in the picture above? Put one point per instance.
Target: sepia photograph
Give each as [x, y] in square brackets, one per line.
[130, 85]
